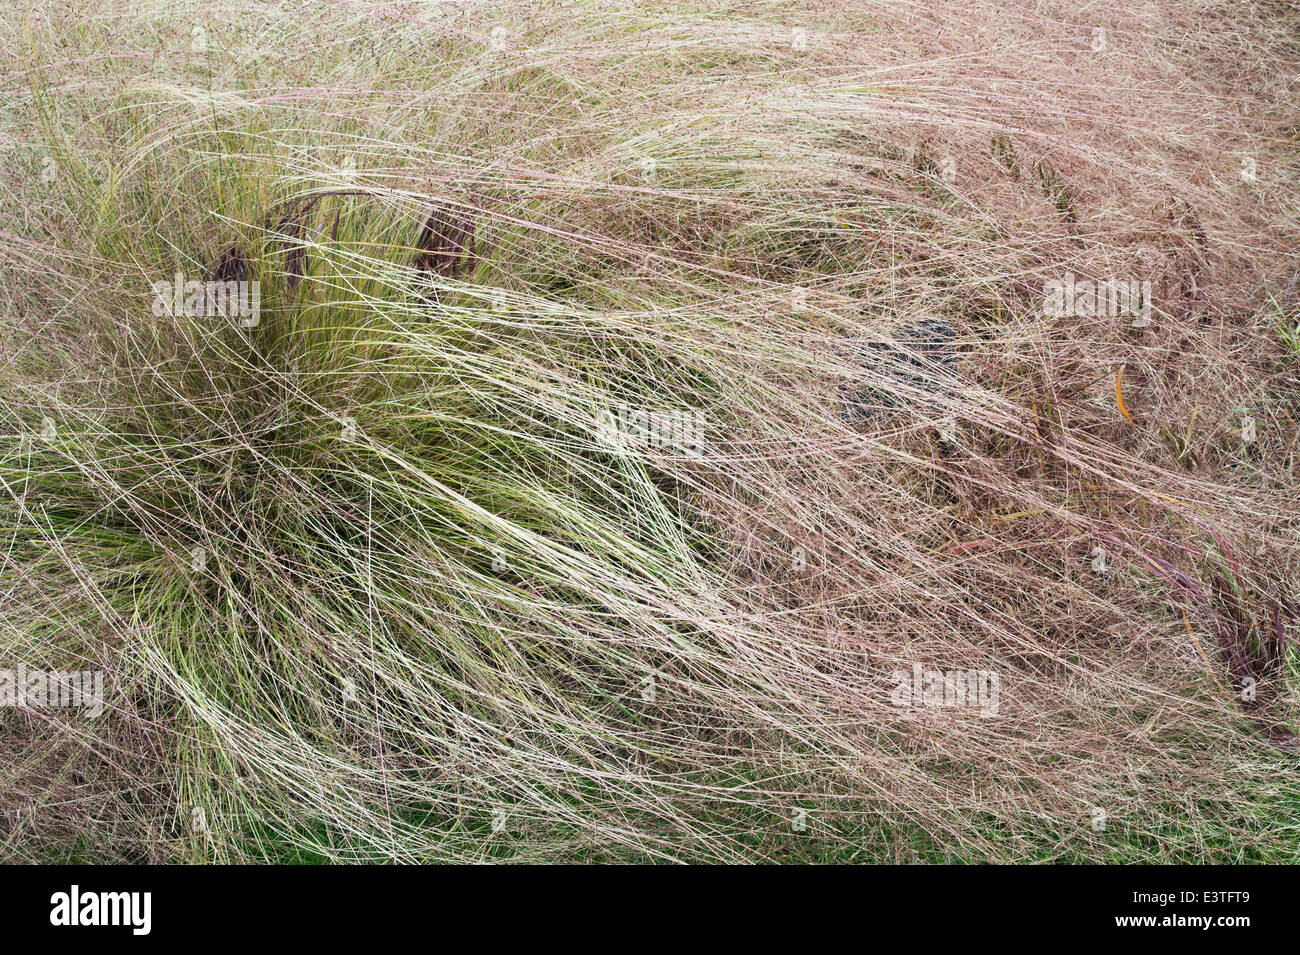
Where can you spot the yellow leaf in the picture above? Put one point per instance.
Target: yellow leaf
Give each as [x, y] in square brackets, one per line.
[1119, 394]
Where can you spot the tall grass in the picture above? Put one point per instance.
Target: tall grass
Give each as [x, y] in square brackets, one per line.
[376, 578]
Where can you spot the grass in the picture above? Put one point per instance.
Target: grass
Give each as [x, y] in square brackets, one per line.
[528, 521]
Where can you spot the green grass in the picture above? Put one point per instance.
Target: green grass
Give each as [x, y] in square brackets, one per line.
[371, 580]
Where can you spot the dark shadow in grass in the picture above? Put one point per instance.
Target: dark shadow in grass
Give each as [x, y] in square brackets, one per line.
[919, 356]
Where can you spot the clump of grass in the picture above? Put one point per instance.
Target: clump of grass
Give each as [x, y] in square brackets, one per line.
[526, 522]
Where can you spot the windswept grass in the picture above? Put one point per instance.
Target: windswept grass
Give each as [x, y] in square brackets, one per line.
[634, 392]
